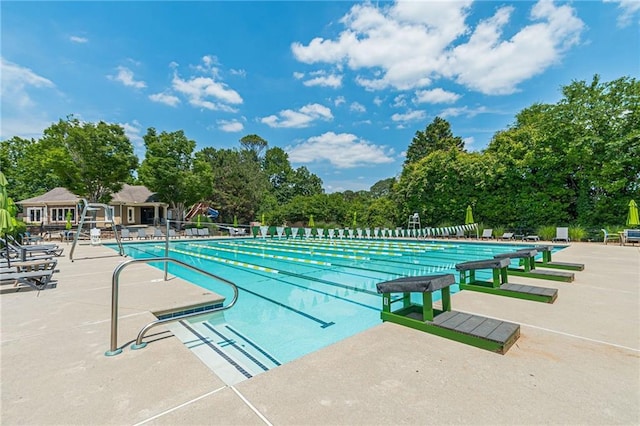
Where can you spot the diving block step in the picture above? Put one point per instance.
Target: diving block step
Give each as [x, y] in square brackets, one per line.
[485, 333]
[544, 274]
[527, 259]
[500, 285]
[547, 263]
[502, 333]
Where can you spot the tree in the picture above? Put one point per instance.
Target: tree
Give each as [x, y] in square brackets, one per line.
[382, 188]
[26, 167]
[254, 143]
[90, 160]
[168, 170]
[239, 184]
[436, 137]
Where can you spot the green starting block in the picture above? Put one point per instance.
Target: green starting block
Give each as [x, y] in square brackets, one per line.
[485, 333]
[500, 283]
[546, 261]
[528, 269]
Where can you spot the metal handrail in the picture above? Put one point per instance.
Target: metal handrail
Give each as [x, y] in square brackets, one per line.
[115, 282]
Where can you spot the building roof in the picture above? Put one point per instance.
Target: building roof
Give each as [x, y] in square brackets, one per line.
[134, 194]
[57, 195]
[129, 194]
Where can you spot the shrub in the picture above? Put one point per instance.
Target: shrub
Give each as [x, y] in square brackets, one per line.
[577, 233]
[547, 232]
[499, 231]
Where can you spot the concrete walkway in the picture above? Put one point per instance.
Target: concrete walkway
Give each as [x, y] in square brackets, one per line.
[577, 361]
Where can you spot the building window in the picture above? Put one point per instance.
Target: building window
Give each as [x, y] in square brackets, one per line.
[110, 214]
[59, 214]
[131, 215]
[34, 214]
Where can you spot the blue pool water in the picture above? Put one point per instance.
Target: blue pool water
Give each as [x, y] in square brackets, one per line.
[297, 296]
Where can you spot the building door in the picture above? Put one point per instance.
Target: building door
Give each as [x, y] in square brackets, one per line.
[146, 215]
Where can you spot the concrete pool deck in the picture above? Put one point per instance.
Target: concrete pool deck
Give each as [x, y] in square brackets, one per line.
[577, 360]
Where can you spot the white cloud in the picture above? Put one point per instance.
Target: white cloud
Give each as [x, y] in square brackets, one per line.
[334, 81]
[629, 9]
[466, 111]
[409, 116]
[133, 131]
[435, 96]
[357, 107]
[199, 91]
[407, 45]
[468, 143]
[303, 117]
[486, 63]
[240, 73]
[339, 101]
[377, 100]
[125, 76]
[399, 101]
[204, 89]
[78, 39]
[298, 75]
[165, 98]
[230, 126]
[343, 150]
[16, 80]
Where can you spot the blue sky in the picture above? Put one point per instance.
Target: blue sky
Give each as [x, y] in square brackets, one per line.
[342, 87]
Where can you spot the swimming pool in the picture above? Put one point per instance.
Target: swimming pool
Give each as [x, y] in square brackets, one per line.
[297, 296]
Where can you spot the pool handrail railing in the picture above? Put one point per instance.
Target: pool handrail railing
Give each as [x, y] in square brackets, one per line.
[115, 283]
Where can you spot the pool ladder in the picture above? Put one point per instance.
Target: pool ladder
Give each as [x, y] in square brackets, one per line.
[115, 283]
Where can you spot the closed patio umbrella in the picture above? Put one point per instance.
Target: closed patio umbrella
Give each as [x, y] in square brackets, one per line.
[632, 217]
[355, 223]
[6, 221]
[311, 222]
[468, 219]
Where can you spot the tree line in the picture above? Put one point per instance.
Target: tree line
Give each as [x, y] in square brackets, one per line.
[573, 162]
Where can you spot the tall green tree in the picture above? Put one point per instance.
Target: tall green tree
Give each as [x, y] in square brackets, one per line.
[91, 160]
[254, 144]
[168, 170]
[436, 137]
[27, 168]
[239, 184]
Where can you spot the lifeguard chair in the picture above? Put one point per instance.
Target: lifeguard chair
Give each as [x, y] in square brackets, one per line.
[414, 225]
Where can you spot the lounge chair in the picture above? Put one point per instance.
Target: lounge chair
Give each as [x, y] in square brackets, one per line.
[35, 274]
[142, 234]
[189, 233]
[610, 237]
[487, 234]
[203, 232]
[507, 236]
[562, 234]
[23, 252]
[631, 236]
[173, 233]
[125, 234]
[157, 233]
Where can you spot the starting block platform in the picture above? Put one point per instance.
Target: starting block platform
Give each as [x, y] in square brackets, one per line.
[500, 284]
[528, 269]
[546, 261]
[485, 333]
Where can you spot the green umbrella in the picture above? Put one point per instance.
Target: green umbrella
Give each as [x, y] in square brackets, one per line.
[468, 219]
[354, 220]
[235, 221]
[262, 221]
[198, 221]
[6, 219]
[632, 217]
[67, 225]
[311, 222]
